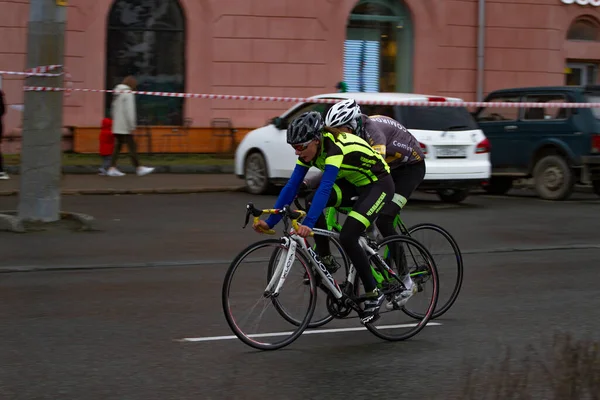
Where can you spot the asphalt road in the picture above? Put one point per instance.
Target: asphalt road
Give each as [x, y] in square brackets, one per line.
[94, 333]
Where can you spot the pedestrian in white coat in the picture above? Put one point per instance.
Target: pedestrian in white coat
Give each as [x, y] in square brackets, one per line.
[124, 118]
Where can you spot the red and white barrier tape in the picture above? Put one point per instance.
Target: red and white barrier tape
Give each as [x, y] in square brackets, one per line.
[316, 100]
[45, 72]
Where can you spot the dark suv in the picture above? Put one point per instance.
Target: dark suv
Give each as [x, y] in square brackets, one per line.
[557, 147]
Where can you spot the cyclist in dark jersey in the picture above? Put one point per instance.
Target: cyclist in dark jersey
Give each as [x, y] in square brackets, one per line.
[364, 173]
[405, 158]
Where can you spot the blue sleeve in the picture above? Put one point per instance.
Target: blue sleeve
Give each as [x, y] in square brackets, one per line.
[287, 194]
[321, 196]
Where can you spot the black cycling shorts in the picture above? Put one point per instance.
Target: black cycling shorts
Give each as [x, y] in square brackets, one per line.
[371, 198]
[406, 179]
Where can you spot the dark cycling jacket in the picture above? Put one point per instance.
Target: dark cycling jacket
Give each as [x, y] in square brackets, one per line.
[392, 139]
[389, 138]
[347, 156]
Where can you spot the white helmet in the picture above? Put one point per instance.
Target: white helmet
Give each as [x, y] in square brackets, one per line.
[346, 112]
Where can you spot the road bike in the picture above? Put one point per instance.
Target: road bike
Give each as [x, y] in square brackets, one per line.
[426, 233]
[342, 299]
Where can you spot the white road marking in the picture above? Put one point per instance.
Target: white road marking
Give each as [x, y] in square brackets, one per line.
[306, 332]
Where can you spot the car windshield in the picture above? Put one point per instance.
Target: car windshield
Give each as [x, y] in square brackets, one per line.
[594, 98]
[438, 118]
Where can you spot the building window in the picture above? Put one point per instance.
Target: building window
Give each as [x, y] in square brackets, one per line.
[378, 47]
[146, 38]
[581, 73]
[584, 29]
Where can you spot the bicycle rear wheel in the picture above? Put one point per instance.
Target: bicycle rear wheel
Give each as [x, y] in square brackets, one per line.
[393, 324]
[448, 260]
[321, 316]
[250, 284]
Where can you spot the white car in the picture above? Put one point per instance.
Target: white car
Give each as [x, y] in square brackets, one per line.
[457, 153]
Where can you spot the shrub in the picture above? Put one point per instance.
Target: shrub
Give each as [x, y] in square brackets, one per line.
[564, 369]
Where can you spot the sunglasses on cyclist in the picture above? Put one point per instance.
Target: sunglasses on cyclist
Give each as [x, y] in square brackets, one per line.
[301, 146]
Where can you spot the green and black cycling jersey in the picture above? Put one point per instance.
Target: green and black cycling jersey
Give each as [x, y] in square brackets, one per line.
[357, 162]
[346, 156]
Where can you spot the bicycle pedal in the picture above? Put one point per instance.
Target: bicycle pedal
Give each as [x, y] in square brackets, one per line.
[369, 319]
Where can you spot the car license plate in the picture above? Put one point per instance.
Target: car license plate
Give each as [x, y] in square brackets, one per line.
[451, 151]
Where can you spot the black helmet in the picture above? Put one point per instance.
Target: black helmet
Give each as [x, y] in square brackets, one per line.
[305, 128]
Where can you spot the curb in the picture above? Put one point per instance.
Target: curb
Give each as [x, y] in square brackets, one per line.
[75, 192]
[160, 169]
[9, 221]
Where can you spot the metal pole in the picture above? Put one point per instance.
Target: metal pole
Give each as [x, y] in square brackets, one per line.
[39, 197]
[481, 50]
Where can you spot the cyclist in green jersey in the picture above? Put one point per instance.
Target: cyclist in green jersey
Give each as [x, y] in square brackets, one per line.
[359, 171]
[407, 164]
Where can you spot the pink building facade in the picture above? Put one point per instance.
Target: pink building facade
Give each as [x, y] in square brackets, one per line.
[298, 49]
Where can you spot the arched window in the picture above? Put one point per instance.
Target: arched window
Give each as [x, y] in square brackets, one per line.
[584, 29]
[378, 47]
[146, 38]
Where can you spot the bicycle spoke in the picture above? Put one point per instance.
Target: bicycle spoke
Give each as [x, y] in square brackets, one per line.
[423, 272]
[251, 313]
[448, 261]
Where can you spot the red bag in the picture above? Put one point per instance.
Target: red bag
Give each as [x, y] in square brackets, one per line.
[107, 139]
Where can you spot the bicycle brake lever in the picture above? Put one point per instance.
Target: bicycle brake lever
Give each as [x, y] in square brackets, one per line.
[248, 212]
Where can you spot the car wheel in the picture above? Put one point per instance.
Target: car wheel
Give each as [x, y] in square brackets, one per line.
[498, 185]
[453, 195]
[255, 172]
[553, 178]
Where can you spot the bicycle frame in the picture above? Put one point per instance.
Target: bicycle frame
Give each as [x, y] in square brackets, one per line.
[292, 242]
[332, 224]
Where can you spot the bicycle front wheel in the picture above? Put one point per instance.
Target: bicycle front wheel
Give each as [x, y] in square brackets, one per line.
[448, 260]
[393, 324]
[244, 292]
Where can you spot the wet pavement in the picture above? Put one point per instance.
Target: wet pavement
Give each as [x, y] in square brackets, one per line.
[98, 333]
[77, 184]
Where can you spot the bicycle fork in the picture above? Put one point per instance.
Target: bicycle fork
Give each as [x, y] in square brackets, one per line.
[284, 264]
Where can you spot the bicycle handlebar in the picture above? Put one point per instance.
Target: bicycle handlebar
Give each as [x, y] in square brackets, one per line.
[287, 213]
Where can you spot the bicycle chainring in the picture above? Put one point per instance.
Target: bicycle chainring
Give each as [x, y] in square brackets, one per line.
[337, 308]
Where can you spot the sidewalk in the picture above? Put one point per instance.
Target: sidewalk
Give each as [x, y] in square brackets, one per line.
[132, 184]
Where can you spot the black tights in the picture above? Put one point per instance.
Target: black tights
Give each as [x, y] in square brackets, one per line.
[122, 139]
[406, 179]
[351, 231]
[385, 224]
[371, 199]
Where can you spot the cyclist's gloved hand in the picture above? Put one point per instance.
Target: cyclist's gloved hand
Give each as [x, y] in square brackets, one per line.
[304, 231]
[261, 226]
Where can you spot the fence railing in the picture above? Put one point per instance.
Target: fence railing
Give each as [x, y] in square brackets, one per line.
[220, 138]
